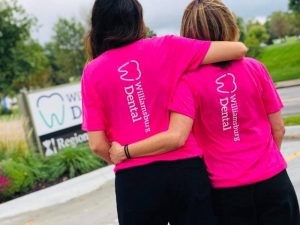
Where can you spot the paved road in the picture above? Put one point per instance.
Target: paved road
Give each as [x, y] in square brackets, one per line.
[291, 100]
[291, 151]
[98, 208]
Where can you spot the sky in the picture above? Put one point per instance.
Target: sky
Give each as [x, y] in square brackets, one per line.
[162, 16]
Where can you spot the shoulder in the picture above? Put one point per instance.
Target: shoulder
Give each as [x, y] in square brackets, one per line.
[251, 62]
[165, 38]
[173, 39]
[256, 69]
[162, 39]
[97, 65]
[99, 61]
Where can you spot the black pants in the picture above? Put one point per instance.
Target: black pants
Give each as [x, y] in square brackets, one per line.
[176, 192]
[271, 202]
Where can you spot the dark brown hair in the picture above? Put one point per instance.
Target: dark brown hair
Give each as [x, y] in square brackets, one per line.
[114, 23]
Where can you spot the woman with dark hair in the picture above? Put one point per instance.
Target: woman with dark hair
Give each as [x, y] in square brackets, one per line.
[237, 122]
[126, 89]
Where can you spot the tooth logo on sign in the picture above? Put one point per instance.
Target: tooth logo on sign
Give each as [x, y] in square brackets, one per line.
[130, 71]
[51, 109]
[226, 84]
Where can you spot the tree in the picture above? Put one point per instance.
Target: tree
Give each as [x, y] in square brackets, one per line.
[256, 35]
[32, 66]
[66, 51]
[241, 25]
[294, 20]
[294, 5]
[23, 62]
[258, 32]
[150, 33]
[279, 25]
[14, 28]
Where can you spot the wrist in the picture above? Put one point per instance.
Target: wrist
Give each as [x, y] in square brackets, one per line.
[126, 152]
[123, 155]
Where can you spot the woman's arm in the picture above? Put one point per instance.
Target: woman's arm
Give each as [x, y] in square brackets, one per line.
[220, 51]
[175, 137]
[99, 145]
[277, 126]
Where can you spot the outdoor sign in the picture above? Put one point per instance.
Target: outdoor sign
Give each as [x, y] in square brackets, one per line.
[56, 115]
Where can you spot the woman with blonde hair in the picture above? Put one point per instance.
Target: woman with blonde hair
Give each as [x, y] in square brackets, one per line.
[235, 109]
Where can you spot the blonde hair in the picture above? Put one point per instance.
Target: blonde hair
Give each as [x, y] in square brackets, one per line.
[209, 20]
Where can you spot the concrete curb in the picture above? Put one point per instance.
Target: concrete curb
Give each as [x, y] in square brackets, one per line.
[292, 132]
[57, 194]
[292, 137]
[289, 83]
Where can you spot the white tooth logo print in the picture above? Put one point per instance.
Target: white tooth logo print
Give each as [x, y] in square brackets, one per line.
[54, 116]
[130, 71]
[226, 84]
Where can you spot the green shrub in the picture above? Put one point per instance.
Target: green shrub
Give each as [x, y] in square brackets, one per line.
[55, 167]
[24, 171]
[2, 155]
[72, 162]
[36, 164]
[21, 178]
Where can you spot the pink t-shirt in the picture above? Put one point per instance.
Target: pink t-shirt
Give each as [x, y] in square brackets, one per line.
[126, 92]
[230, 107]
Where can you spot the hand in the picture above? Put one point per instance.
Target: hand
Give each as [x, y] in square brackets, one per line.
[117, 154]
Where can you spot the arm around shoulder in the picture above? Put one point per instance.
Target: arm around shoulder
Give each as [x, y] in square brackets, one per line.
[220, 51]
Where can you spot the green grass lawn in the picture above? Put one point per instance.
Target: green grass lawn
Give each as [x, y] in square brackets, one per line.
[283, 60]
[292, 120]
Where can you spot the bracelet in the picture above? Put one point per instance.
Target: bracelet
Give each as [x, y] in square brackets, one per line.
[126, 150]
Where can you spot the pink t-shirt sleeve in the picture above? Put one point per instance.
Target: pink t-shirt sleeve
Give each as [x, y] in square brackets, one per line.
[270, 96]
[187, 53]
[92, 111]
[184, 101]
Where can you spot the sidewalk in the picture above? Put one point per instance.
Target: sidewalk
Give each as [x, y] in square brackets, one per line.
[77, 187]
[58, 194]
[289, 83]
